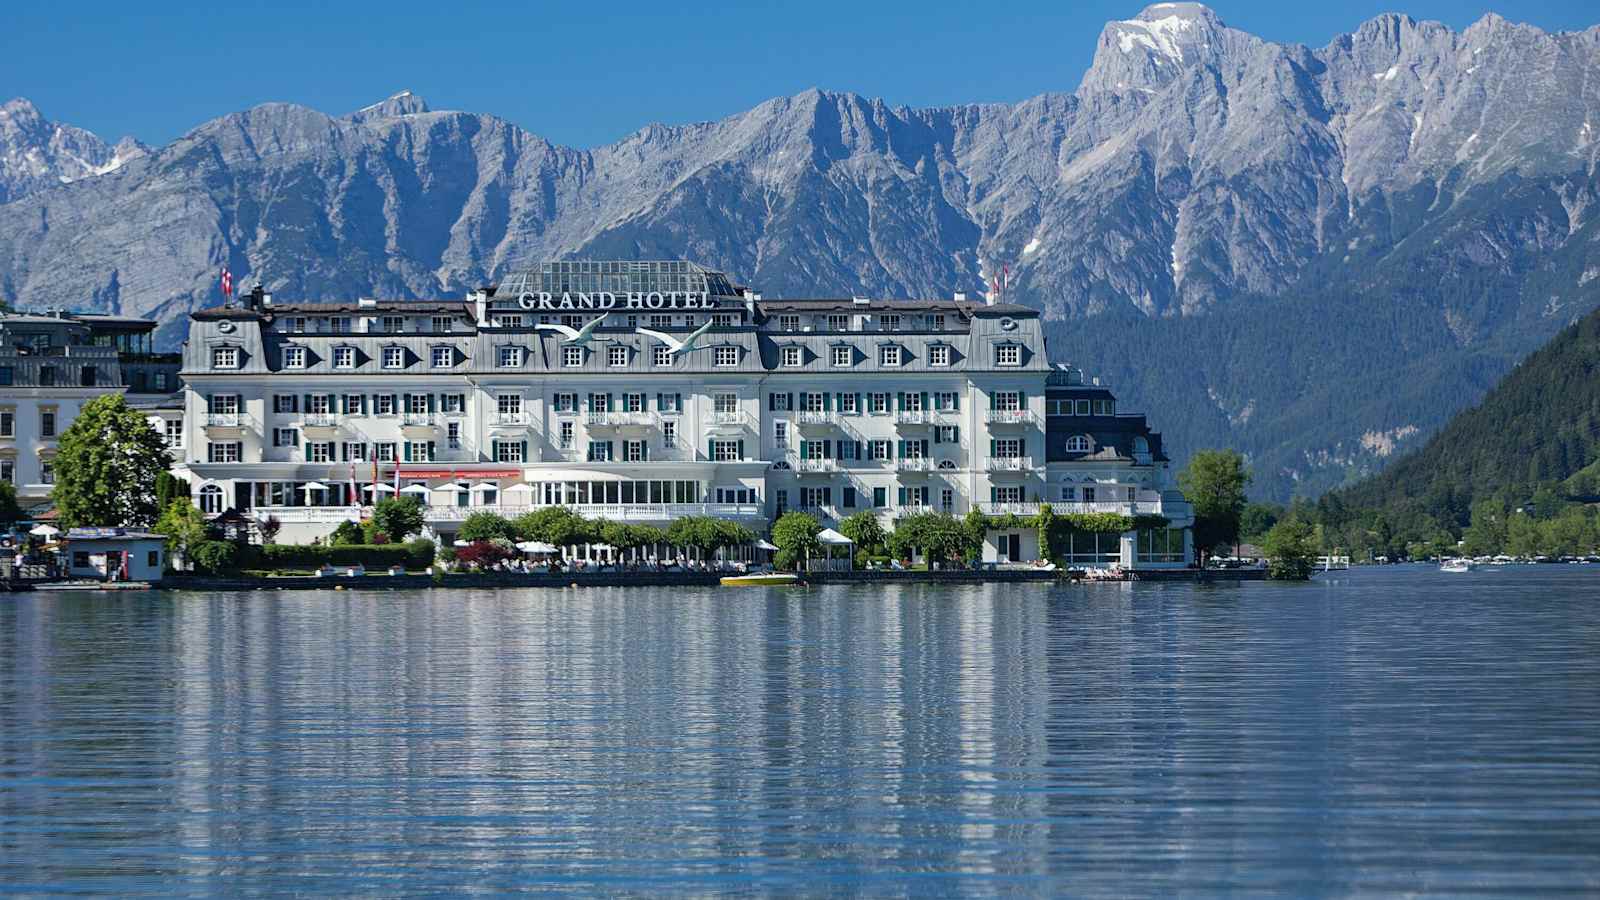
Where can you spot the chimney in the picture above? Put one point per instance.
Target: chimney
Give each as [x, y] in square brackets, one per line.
[961, 296]
[480, 303]
[254, 299]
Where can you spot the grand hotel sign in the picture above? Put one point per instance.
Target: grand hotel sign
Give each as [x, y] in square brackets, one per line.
[601, 301]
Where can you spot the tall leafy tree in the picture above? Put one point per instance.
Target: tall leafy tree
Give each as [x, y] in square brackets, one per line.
[865, 529]
[1291, 548]
[795, 536]
[184, 527]
[397, 518]
[107, 467]
[10, 511]
[1215, 482]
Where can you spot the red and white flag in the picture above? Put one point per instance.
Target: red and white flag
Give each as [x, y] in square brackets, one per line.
[227, 282]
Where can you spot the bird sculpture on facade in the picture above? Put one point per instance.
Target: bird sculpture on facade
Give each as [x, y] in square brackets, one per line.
[675, 346]
[577, 336]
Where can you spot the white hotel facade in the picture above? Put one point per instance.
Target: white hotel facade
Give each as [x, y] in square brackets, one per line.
[645, 391]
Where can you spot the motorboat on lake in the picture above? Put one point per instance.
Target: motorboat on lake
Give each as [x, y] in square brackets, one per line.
[1457, 565]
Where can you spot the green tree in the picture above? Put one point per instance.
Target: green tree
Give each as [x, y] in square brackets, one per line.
[10, 510]
[107, 467]
[795, 536]
[1214, 482]
[170, 487]
[865, 529]
[184, 527]
[397, 518]
[484, 525]
[1291, 551]
[939, 536]
[1258, 519]
[347, 533]
[556, 525]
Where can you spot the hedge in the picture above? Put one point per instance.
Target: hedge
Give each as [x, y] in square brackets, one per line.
[415, 554]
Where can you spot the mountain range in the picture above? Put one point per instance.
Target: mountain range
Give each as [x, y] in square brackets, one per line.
[1316, 255]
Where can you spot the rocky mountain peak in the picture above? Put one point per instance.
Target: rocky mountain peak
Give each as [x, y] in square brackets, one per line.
[1150, 50]
[404, 103]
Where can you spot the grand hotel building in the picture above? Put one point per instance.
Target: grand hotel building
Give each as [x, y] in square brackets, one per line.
[645, 391]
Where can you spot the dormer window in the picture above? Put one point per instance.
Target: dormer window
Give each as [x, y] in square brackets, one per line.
[616, 355]
[725, 320]
[839, 323]
[726, 356]
[443, 324]
[345, 358]
[660, 355]
[572, 357]
[443, 357]
[509, 357]
[294, 357]
[792, 356]
[840, 356]
[298, 324]
[394, 324]
[889, 322]
[889, 355]
[939, 355]
[1078, 444]
[788, 323]
[340, 324]
[224, 358]
[394, 357]
[936, 322]
[1008, 355]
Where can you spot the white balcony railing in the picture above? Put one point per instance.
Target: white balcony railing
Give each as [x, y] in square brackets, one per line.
[1119, 507]
[222, 420]
[815, 465]
[726, 419]
[816, 417]
[1009, 463]
[915, 417]
[1009, 417]
[619, 419]
[417, 418]
[321, 419]
[913, 464]
[513, 419]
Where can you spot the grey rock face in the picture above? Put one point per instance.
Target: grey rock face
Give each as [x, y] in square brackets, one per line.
[37, 154]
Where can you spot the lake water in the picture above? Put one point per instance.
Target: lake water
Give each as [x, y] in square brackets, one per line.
[1389, 730]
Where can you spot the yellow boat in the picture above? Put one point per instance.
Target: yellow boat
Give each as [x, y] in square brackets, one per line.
[764, 579]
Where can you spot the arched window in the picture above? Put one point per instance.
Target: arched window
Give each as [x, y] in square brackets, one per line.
[1078, 444]
[947, 464]
[211, 500]
[780, 465]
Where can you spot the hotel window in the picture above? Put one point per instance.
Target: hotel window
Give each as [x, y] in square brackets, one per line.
[452, 435]
[660, 321]
[566, 402]
[7, 376]
[572, 321]
[725, 320]
[383, 404]
[1007, 448]
[1007, 400]
[394, 324]
[47, 423]
[394, 357]
[727, 402]
[47, 376]
[442, 324]
[453, 403]
[298, 324]
[354, 404]
[223, 451]
[880, 496]
[838, 323]
[419, 451]
[634, 451]
[889, 323]
[443, 357]
[779, 402]
[506, 321]
[840, 356]
[727, 356]
[211, 499]
[417, 404]
[889, 356]
[878, 403]
[947, 400]
[355, 451]
[788, 323]
[294, 357]
[1005, 494]
[1078, 444]
[792, 356]
[1088, 495]
[8, 423]
[669, 433]
[572, 357]
[669, 403]
[725, 451]
[811, 401]
[1069, 493]
[939, 355]
[936, 321]
[1105, 408]
[660, 355]
[345, 358]
[599, 402]
[847, 403]
[285, 403]
[47, 472]
[616, 355]
[879, 450]
[599, 451]
[633, 402]
[225, 357]
[8, 471]
[340, 324]
[847, 498]
[1083, 407]
[285, 437]
[508, 357]
[1008, 355]
[816, 498]
[509, 407]
[508, 451]
[947, 500]
[383, 451]
[564, 435]
[946, 434]
[780, 434]
[319, 404]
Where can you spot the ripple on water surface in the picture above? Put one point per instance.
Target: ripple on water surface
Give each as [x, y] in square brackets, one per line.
[1389, 730]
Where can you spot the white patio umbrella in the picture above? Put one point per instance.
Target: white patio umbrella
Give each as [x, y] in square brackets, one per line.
[832, 538]
[536, 547]
[43, 530]
[485, 486]
[416, 489]
[381, 488]
[520, 487]
[313, 486]
[765, 545]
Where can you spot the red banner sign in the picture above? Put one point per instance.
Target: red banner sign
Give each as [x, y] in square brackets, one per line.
[458, 472]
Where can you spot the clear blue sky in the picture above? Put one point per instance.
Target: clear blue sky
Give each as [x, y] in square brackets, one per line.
[588, 73]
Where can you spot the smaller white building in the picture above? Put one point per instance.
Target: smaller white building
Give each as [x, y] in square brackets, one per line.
[115, 554]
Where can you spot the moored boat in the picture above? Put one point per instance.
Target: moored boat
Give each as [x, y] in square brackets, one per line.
[1456, 565]
[762, 579]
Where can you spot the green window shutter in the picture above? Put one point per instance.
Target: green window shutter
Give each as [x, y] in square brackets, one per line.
[994, 494]
[861, 403]
[524, 451]
[430, 403]
[827, 449]
[308, 451]
[924, 399]
[902, 494]
[805, 447]
[307, 407]
[494, 449]
[1022, 400]
[994, 402]
[899, 401]
[991, 446]
[955, 401]
[955, 434]
[711, 449]
[902, 448]
[741, 448]
[827, 402]
[406, 448]
[430, 451]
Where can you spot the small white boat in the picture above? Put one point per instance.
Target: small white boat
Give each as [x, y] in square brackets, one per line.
[761, 579]
[1457, 565]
